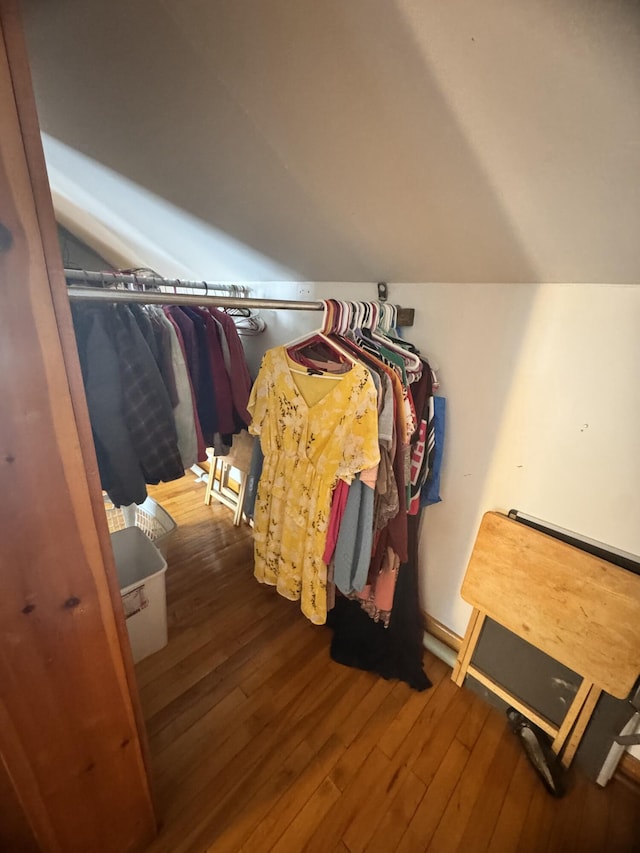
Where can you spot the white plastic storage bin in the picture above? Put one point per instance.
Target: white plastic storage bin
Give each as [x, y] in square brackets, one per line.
[153, 519]
[141, 573]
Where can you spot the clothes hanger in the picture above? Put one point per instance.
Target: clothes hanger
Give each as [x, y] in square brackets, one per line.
[319, 335]
[348, 342]
[309, 335]
[388, 327]
[373, 334]
[237, 291]
[376, 334]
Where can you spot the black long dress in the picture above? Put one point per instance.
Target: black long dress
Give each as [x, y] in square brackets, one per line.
[393, 652]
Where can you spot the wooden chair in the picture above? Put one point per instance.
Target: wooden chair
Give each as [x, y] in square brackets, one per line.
[227, 480]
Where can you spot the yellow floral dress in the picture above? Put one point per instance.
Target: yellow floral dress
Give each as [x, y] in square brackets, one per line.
[307, 448]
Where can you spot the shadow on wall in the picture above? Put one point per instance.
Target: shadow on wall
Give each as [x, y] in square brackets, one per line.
[317, 137]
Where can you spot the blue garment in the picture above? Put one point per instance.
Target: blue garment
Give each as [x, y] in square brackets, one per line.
[430, 493]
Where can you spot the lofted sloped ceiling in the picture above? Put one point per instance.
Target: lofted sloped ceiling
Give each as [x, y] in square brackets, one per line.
[360, 140]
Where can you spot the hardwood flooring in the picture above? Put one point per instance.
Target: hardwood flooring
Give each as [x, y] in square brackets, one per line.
[260, 742]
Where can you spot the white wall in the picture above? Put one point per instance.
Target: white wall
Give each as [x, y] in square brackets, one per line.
[568, 444]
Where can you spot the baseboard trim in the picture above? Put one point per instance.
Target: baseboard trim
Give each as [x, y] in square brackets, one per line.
[442, 633]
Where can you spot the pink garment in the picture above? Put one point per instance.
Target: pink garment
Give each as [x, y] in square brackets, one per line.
[370, 476]
[417, 456]
[377, 597]
[338, 505]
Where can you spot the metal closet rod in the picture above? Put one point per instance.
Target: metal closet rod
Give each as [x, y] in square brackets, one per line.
[151, 297]
[104, 278]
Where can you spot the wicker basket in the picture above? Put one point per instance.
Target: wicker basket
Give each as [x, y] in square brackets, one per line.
[154, 521]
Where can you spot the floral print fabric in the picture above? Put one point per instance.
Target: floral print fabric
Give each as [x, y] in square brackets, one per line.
[307, 448]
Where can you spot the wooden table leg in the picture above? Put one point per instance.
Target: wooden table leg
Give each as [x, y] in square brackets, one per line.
[468, 647]
[581, 724]
[571, 716]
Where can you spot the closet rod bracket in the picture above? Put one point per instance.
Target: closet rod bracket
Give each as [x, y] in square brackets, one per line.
[406, 317]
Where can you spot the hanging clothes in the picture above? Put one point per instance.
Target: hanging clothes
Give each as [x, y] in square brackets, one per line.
[189, 356]
[309, 438]
[120, 471]
[129, 408]
[219, 377]
[183, 410]
[377, 595]
[363, 544]
[355, 539]
[430, 493]
[395, 651]
[165, 359]
[140, 365]
[213, 355]
[147, 409]
[237, 367]
[359, 555]
[203, 381]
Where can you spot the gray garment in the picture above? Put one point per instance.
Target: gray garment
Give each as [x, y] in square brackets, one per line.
[183, 412]
[387, 500]
[355, 539]
[385, 419]
[253, 478]
[165, 355]
[120, 470]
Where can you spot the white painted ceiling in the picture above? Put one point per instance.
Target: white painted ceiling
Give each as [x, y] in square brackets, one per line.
[363, 140]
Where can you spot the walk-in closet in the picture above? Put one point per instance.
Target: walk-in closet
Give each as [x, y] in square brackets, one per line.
[318, 482]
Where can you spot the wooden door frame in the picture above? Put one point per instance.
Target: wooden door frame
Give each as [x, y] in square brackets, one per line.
[34, 286]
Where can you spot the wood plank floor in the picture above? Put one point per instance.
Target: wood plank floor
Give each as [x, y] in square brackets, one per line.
[261, 742]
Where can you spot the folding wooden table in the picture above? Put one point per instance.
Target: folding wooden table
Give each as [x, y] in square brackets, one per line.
[577, 608]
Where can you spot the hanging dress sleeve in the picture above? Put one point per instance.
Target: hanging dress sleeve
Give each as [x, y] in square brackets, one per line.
[257, 405]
